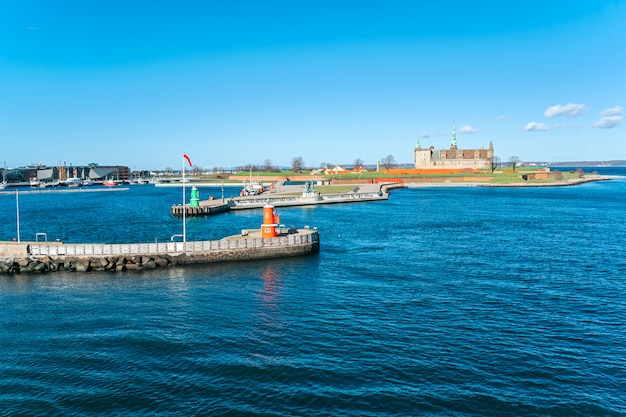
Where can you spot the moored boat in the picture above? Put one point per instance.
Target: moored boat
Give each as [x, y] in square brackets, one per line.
[70, 182]
[3, 184]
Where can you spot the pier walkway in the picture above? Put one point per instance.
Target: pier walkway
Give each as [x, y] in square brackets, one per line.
[17, 257]
[287, 196]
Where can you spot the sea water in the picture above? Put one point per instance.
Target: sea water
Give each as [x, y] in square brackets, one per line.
[462, 301]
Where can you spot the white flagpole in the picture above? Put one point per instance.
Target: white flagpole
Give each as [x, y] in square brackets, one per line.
[17, 211]
[184, 210]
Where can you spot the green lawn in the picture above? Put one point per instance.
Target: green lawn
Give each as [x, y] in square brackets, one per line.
[497, 177]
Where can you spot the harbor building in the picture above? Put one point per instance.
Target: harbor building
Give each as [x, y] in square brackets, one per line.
[453, 158]
[42, 175]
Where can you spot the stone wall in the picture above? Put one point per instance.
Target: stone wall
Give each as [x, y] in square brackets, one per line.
[453, 158]
[47, 257]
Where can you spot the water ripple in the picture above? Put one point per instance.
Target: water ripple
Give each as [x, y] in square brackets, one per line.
[455, 302]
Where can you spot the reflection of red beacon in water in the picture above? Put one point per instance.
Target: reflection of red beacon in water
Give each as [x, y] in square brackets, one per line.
[270, 220]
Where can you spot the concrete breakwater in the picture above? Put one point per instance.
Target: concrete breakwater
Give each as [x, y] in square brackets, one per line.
[40, 257]
[287, 196]
[239, 203]
[209, 207]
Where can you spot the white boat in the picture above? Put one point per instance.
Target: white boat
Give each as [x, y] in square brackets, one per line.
[254, 187]
[87, 182]
[3, 184]
[70, 182]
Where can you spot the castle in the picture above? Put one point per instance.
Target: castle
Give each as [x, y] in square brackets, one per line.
[453, 158]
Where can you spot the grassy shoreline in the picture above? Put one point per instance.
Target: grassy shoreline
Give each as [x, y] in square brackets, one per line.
[520, 177]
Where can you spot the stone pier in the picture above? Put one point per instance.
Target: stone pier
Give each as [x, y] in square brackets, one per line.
[39, 257]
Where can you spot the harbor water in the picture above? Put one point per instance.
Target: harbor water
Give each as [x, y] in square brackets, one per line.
[441, 301]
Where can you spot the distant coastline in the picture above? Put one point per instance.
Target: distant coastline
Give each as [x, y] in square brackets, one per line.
[614, 163]
[525, 184]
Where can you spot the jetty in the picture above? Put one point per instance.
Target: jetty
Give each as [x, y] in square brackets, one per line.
[283, 196]
[271, 241]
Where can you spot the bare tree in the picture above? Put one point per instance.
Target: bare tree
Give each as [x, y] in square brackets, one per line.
[494, 163]
[514, 160]
[248, 167]
[388, 162]
[267, 165]
[358, 164]
[297, 164]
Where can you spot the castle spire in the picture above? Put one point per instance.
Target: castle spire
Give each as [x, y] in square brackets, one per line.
[453, 135]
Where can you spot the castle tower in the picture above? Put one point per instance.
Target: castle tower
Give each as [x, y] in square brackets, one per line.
[453, 145]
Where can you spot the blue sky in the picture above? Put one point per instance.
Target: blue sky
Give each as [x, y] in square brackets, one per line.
[238, 82]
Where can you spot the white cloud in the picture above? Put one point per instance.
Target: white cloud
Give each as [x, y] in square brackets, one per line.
[535, 127]
[613, 111]
[501, 118]
[608, 122]
[569, 110]
[424, 135]
[610, 118]
[467, 129]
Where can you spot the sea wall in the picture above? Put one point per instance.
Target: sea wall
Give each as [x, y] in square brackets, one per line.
[279, 178]
[241, 203]
[55, 256]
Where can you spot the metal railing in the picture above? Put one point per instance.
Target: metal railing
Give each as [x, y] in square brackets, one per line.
[103, 249]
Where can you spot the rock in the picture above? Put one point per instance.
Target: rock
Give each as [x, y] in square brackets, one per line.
[149, 264]
[40, 267]
[160, 261]
[81, 266]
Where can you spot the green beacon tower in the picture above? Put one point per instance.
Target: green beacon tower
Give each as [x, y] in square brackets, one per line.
[194, 201]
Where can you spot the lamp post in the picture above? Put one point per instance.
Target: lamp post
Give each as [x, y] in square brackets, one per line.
[184, 210]
[17, 214]
[185, 157]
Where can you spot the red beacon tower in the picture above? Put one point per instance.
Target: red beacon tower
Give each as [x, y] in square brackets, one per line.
[270, 220]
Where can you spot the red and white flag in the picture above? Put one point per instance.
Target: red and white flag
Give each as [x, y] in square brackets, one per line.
[187, 158]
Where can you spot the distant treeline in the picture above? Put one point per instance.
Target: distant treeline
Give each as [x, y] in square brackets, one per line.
[587, 163]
